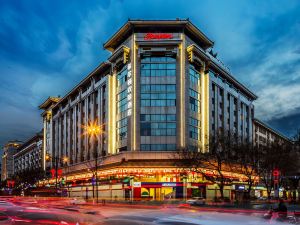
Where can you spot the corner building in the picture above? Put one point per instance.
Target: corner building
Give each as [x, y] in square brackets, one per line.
[161, 89]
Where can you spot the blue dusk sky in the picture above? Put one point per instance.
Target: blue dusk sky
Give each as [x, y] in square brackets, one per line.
[47, 47]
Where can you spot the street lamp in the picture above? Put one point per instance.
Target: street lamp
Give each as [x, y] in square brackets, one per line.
[56, 160]
[93, 130]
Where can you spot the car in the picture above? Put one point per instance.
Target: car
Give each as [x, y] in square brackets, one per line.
[76, 201]
[262, 198]
[196, 201]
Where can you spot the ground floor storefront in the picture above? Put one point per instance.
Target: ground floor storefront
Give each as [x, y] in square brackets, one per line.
[144, 183]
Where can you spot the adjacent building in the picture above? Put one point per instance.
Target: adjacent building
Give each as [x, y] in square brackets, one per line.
[264, 135]
[7, 168]
[29, 155]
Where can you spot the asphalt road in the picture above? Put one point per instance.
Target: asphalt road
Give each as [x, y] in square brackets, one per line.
[64, 213]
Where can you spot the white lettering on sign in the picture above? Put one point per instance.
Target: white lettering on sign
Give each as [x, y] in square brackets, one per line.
[129, 90]
[137, 184]
[168, 184]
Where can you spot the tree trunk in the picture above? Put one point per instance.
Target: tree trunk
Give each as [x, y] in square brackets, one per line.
[221, 188]
[269, 194]
[248, 197]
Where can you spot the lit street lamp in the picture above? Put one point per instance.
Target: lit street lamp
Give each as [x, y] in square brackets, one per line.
[93, 130]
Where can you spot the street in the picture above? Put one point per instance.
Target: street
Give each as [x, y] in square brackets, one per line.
[43, 211]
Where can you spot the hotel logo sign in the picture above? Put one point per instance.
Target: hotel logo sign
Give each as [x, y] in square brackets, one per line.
[157, 36]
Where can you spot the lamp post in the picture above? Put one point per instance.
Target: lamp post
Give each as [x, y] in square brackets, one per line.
[56, 160]
[93, 130]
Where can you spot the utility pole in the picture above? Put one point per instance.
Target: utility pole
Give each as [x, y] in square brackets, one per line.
[56, 170]
[96, 175]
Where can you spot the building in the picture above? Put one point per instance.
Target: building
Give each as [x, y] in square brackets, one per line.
[264, 134]
[161, 89]
[46, 106]
[7, 169]
[29, 155]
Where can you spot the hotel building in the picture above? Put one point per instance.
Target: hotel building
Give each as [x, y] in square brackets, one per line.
[161, 89]
[29, 155]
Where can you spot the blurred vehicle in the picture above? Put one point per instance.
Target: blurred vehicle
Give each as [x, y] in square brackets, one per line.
[45, 218]
[196, 201]
[262, 198]
[76, 201]
[5, 219]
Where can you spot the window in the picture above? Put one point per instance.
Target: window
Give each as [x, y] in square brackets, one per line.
[158, 147]
[122, 129]
[158, 117]
[158, 125]
[194, 75]
[158, 66]
[122, 76]
[122, 101]
[158, 95]
[194, 128]
[194, 101]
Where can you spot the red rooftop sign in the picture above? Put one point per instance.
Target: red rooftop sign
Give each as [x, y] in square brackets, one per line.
[153, 36]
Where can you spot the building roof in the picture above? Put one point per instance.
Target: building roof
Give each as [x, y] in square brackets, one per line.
[48, 102]
[99, 69]
[270, 129]
[219, 68]
[14, 143]
[131, 25]
[28, 142]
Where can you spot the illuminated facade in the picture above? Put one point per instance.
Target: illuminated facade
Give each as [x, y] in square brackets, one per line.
[264, 134]
[7, 168]
[29, 155]
[161, 89]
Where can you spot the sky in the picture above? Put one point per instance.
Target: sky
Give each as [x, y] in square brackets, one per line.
[47, 47]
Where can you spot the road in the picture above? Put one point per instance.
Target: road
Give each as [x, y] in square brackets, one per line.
[64, 212]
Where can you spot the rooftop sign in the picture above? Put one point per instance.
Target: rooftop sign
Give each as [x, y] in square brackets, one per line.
[158, 36]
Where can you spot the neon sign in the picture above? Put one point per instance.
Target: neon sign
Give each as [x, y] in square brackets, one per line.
[158, 36]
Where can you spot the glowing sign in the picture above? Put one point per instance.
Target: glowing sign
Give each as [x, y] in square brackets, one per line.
[168, 184]
[276, 173]
[158, 36]
[129, 90]
[137, 184]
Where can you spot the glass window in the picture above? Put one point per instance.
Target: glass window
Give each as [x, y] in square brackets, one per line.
[194, 101]
[194, 127]
[158, 95]
[158, 124]
[122, 76]
[122, 101]
[122, 129]
[194, 75]
[158, 66]
[158, 147]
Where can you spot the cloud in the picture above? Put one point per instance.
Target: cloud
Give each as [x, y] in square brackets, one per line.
[278, 101]
[46, 48]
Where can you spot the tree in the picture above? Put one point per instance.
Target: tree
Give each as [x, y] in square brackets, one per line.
[247, 156]
[274, 156]
[219, 158]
